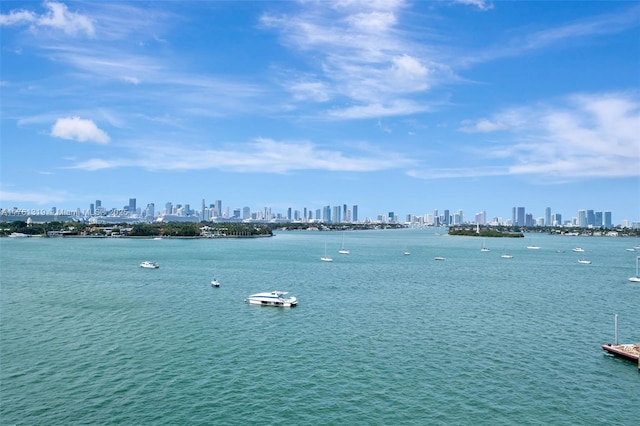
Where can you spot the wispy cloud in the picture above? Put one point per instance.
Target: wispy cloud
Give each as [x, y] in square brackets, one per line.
[603, 24]
[579, 136]
[40, 198]
[261, 155]
[480, 4]
[363, 57]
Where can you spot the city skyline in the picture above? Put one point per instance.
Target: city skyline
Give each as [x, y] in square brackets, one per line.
[402, 106]
[341, 213]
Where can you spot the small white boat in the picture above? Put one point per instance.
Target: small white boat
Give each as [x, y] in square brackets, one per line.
[578, 249]
[215, 282]
[273, 298]
[636, 279]
[439, 258]
[533, 247]
[584, 261]
[149, 265]
[484, 248]
[631, 249]
[406, 253]
[506, 256]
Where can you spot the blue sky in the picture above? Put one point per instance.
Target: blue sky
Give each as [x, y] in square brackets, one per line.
[391, 105]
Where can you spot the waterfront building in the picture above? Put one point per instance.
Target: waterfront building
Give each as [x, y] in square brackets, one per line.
[354, 216]
[607, 220]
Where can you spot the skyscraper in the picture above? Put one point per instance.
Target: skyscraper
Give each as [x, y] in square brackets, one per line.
[547, 217]
[521, 217]
[355, 213]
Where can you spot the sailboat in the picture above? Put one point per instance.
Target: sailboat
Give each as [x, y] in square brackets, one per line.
[636, 279]
[342, 249]
[326, 258]
[484, 248]
[215, 282]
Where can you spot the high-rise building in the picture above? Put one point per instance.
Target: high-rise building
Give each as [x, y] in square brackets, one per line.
[547, 217]
[591, 218]
[520, 220]
[582, 218]
[150, 211]
[326, 214]
[337, 217]
[607, 220]
[132, 205]
[598, 220]
[355, 213]
[447, 218]
[246, 213]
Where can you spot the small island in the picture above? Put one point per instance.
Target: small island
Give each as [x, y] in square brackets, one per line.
[470, 231]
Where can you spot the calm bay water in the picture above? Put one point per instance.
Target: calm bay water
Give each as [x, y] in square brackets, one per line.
[378, 338]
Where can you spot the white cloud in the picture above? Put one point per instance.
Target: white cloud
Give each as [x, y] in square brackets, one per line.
[579, 136]
[81, 130]
[58, 17]
[361, 55]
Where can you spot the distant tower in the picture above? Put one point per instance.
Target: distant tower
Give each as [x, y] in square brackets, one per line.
[355, 213]
[132, 205]
[582, 218]
[607, 220]
[336, 215]
[547, 217]
[203, 211]
[521, 217]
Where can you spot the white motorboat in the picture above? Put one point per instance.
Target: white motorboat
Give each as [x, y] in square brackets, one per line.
[273, 298]
[578, 249]
[439, 258]
[506, 256]
[584, 261]
[18, 235]
[149, 265]
[215, 282]
[636, 279]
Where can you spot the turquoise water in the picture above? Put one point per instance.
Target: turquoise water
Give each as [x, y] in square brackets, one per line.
[378, 338]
